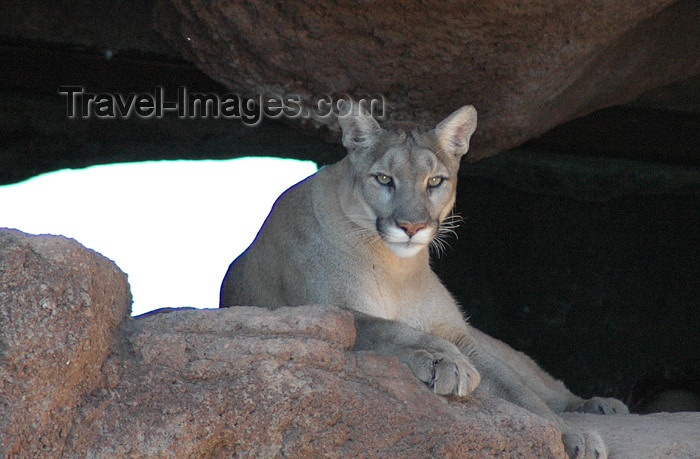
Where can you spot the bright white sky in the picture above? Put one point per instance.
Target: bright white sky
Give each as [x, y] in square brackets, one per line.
[172, 226]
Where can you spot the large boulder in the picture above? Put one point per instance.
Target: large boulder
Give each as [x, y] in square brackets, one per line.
[266, 383]
[527, 66]
[78, 377]
[60, 308]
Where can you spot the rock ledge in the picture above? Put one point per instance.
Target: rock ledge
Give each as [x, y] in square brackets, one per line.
[80, 377]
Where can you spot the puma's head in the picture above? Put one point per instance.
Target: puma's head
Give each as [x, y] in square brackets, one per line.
[405, 179]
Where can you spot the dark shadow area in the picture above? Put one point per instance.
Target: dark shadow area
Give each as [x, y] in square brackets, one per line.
[597, 291]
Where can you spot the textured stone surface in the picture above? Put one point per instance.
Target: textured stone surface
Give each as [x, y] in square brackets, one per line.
[652, 436]
[60, 306]
[79, 378]
[525, 67]
[262, 383]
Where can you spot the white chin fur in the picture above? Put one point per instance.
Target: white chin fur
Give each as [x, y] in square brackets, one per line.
[405, 249]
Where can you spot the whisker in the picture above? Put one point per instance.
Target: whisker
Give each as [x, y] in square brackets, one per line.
[449, 225]
[446, 229]
[439, 246]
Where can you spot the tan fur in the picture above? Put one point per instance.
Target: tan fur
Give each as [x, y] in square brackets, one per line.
[357, 234]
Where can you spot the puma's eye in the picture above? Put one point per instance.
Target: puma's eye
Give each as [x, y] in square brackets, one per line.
[384, 179]
[434, 182]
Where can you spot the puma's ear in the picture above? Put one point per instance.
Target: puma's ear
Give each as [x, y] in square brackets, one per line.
[453, 133]
[360, 129]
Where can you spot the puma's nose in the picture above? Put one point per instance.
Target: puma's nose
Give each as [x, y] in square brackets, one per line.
[411, 228]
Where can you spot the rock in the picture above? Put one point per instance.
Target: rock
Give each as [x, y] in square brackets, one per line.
[526, 67]
[651, 436]
[60, 307]
[265, 383]
[80, 378]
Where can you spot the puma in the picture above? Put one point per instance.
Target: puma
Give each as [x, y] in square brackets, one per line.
[357, 234]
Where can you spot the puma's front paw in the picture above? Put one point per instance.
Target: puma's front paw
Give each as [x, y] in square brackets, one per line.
[446, 373]
[602, 405]
[584, 445]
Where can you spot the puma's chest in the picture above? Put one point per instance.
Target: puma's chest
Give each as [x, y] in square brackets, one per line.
[393, 294]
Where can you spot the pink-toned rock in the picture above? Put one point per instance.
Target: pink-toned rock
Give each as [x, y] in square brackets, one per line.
[79, 378]
[60, 307]
[256, 382]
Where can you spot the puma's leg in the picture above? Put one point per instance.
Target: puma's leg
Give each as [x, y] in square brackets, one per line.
[500, 380]
[448, 370]
[433, 360]
[553, 392]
